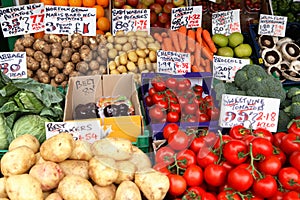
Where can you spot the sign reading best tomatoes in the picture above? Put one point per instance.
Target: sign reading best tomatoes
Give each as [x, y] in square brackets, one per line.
[260, 112]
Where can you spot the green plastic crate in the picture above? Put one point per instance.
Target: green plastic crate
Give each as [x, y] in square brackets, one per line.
[143, 141]
[2, 152]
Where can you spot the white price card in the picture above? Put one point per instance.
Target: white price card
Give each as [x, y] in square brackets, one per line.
[13, 64]
[272, 25]
[189, 16]
[69, 20]
[130, 20]
[260, 112]
[89, 130]
[224, 68]
[170, 62]
[21, 20]
[226, 22]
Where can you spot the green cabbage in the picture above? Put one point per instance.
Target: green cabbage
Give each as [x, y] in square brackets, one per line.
[4, 132]
[30, 124]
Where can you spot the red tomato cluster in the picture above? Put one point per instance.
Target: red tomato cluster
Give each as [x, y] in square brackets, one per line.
[243, 164]
[173, 100]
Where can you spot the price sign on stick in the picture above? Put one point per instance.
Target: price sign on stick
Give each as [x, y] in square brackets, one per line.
[226, 22]
[224, 68]
[189, 16]
[171, 62]
[88, 130]
[13, 64]
[20, 20]
[258, 111]
[69, 20]
[130, 20]
[272, 25]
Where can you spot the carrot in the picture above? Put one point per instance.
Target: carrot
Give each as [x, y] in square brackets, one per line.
[207, 66]
[199, 35]
[202, 61]
[158, 37]
[182, 31]
[174, 37]
[192, 59]
[207, 37]
[164, 34]
[198, 55]
[168, 44]
[191, 37]
[207, 53]
[195, 68]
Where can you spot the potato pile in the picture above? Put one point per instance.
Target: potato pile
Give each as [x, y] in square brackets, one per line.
[53, 58]
[61, 168]
[132, 52]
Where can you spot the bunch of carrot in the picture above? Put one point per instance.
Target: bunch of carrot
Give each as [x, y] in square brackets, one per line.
[197, 42]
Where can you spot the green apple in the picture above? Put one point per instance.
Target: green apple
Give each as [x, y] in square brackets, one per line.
[243, 50]
[225, 51]
[235, 39]
[220, 40]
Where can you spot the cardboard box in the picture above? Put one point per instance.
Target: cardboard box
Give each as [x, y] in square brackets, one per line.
[85, 89]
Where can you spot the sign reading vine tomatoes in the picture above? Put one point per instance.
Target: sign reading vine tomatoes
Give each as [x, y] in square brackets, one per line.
[244, 163]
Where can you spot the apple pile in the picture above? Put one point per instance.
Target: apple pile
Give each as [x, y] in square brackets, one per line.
[160, 10]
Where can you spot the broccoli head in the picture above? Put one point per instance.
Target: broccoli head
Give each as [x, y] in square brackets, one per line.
[296, 98]
[293, 91]
[267, 87]
[283, 121]
[293, 110]
[248, 72]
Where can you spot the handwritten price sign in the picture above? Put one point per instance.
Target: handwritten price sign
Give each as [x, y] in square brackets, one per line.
[13, 64]
[224, 68]
[170, 62]
[88, 130]
[130, 20]
[226, 22]
[20, 20]
[260, 112]
[69, 20]
[272, 25]
[189, 16]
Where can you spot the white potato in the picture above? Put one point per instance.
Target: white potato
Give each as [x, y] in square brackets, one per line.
[82, 150]
[75, 167]
[23, 187]
[105, 192]
[39, 158]
[54, 196]
[73, 187]
[103, 170]
[126, 170]
[57, 148]
[116, 148]
[17, 161]
[48, 174]
[128, 190]
[3, 193]
[153, 184]
[140, 159]
[25, 140]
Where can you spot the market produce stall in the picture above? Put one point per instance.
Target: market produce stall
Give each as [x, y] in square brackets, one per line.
[149, 99]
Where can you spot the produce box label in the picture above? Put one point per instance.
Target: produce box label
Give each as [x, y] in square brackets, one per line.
[88, 130]
[21, 20]
[272, 25]
[170, 62]
[260, 112]
[13, 64]
[69, 20]
[189, 16]
[226, 22]
[130, 20]
[224, 68]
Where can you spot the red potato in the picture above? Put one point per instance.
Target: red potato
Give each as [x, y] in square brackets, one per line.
[48, 174]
